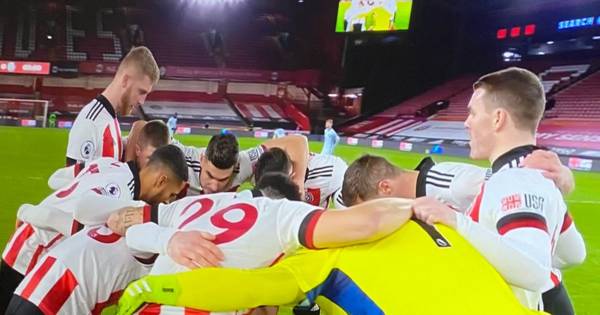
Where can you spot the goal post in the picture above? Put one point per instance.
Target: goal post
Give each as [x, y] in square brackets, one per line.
[28, 111]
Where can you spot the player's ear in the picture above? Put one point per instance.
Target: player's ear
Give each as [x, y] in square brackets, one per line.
[384, 187]
[499, 117]
[161, 180]
[125, 80]
[138, 149]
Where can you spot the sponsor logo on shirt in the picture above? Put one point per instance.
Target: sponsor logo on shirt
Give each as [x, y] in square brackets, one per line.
[534, 202]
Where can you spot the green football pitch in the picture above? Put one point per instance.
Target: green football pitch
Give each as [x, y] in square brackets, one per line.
[29, 156]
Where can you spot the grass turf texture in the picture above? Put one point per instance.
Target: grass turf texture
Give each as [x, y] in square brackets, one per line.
[29, 156]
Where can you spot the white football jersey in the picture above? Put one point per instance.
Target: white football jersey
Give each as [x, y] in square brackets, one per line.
[270, 228]
[251, 232]
[324, 179]
[242, 172]
[104, 176]
[525, 212]
[456, 184]
[84, 274]
[95, 133]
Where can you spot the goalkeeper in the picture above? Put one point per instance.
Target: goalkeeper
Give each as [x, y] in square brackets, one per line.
[419, 269]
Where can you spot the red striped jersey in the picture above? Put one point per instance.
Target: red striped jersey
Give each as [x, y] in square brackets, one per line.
[105, 177]
[251, 231]
[84, 274]
[95, 133]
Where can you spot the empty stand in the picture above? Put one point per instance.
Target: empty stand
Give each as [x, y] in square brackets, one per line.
[388, 129]
[440, 92]
[579, 101]
[561, 74]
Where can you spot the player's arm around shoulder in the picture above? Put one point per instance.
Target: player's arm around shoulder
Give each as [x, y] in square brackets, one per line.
[552, 168]
[296, 146]
[362, 223]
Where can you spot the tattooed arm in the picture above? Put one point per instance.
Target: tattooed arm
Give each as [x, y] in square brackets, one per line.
[124, 218]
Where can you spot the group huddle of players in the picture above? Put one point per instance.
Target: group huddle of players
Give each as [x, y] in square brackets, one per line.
[147, 224]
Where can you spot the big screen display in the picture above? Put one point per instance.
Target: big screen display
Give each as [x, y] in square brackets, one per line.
[373, 15]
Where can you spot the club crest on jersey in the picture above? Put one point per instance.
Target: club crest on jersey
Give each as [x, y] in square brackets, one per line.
[308, 197]
[254, 154]
[87, 148]
[511, 202]
[113, 190]
[312, 196]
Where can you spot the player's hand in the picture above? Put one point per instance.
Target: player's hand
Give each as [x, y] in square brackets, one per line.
[552, 168]
[431, 211]
[194, 249]
[149, 289]
[133, 297]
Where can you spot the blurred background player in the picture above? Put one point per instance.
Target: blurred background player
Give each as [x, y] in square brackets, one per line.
[172, 123]
[52, 120]
[330, 138]
[96, 132]
[278, 133]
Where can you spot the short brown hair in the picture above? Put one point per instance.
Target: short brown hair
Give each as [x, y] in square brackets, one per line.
[519, 91]
[363, 176]
[154, 133]
[142, 59]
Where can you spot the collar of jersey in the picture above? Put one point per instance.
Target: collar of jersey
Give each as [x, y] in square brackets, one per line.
[424, 166]
[107, 105]
[256, 193]
[136, 179]
[513, 156]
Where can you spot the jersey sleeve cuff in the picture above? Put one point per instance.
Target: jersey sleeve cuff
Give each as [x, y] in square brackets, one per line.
[150, 213]
[164, 237]
[307, 229]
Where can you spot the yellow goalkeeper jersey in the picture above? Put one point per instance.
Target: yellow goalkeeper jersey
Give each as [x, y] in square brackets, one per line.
[419, 269]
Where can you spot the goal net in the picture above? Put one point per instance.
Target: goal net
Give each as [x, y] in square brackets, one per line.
[29, 112]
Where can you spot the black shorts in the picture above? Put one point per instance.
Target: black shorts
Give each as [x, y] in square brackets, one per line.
[557, 301]
[20, 306]
[9, 281]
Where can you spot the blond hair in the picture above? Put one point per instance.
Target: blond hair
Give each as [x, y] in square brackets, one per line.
[141, 59]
